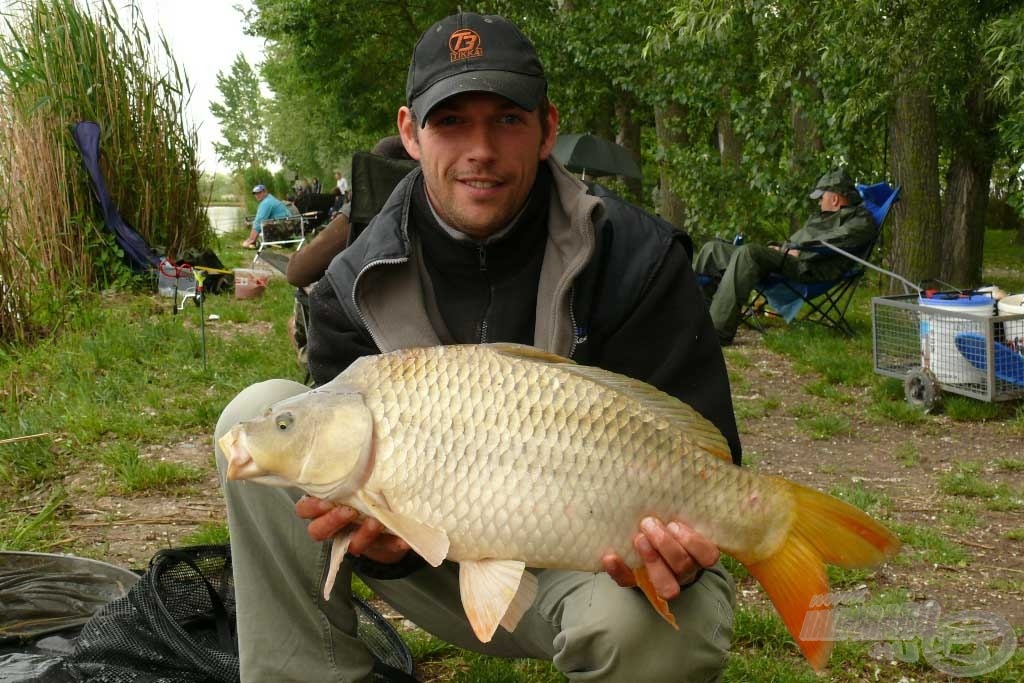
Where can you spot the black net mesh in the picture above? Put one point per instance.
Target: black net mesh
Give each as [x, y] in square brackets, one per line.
[176, 625]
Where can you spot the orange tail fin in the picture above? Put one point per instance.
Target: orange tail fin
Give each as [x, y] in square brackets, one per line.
[825, 530]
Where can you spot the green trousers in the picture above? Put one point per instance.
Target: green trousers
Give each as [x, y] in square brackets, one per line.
[592, 629]
[739, 267]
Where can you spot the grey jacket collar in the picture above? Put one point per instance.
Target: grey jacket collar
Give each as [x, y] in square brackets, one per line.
[377, 280]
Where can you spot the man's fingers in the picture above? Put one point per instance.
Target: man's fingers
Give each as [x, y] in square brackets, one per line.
[309, 507]
[664, 579]
[617, 569]
[667, 546]
[327, 525]
[364, 536]
[703, 551]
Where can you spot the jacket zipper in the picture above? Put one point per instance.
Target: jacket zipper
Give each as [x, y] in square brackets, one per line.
[572, 322]
[355, 288]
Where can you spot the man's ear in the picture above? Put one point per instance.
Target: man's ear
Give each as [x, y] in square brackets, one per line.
[548, 143]
[407, 129]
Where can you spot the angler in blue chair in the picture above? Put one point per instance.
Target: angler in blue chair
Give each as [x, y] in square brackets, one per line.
[734, 270]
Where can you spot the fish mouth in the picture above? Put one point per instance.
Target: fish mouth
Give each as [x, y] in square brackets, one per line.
[240, 463]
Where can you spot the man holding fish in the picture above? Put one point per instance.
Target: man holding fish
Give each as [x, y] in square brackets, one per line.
[491, 240]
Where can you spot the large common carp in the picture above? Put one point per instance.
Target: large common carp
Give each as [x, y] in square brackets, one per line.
[502, 457]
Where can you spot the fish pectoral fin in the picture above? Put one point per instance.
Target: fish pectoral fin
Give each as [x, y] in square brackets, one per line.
[495, 592]
[339, 546]
[430, 543]
[643, 582]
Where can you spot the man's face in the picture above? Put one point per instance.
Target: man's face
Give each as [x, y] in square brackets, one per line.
[260, 195]
[831, 201]
[479, 154]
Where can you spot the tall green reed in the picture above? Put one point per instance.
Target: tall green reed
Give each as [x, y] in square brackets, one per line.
[64, 61]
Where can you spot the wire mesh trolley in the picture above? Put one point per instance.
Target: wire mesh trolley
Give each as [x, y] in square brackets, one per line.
[952, 342]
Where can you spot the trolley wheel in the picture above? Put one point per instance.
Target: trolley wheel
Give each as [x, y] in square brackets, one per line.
[921, 388]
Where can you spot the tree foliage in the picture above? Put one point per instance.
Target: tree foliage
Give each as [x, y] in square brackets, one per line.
[242, 117]
[732, 106]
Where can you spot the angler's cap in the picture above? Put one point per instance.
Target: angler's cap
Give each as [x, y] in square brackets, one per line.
[839, 182]
[468, 52]
[258, 189]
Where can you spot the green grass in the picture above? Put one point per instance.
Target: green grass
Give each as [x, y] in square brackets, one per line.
[1010, 464]
[136, 474]
[210, 533]
[907, 454]
[755, 408]
[960, 516]
[834, 358]
[1017, 423]
[871, 502]
[964, 409]
[925, 543]
[126, 372]
[32, 532]
[826, 390]
[964, 481]
[825, 427]
[1005, 501]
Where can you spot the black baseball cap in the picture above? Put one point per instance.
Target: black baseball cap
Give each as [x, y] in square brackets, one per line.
[468, 52]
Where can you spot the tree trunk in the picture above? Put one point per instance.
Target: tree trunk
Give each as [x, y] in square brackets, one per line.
[629, 137]
[730, 147]
[671, 134]
[963, 218]
[967, 191]
[808, 145]
[915, 247]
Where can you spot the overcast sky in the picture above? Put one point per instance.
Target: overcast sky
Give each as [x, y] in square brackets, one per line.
[204, 36]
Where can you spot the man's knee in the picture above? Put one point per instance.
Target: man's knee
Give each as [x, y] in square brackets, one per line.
[627, 640]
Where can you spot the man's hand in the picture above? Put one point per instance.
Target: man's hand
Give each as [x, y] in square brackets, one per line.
[370, 540]
[673, 554]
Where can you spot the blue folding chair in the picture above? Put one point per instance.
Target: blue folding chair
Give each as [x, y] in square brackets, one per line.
[826, 301]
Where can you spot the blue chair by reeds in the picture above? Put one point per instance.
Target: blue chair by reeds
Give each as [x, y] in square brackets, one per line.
[826, 301]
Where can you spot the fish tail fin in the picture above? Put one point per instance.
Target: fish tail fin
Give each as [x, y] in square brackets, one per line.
[825, 530]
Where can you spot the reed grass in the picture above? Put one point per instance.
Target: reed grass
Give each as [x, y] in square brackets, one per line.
[65, 61]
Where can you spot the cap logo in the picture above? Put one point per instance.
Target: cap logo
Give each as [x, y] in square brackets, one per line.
[463, 44]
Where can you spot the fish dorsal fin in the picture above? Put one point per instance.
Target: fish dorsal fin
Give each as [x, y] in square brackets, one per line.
[495, 592]
[528, 353]
[700, 430]
[430, 543]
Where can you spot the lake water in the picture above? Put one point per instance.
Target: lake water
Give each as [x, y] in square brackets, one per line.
[225, 218]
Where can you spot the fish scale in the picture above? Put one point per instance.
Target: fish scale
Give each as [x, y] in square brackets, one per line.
[501, 457]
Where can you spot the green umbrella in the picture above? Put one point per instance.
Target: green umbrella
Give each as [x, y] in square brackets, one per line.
[594, 156]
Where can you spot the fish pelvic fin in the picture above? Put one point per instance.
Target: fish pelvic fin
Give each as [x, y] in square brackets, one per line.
[825, 530]
[643, 582]
[339, 546]
[495, 592]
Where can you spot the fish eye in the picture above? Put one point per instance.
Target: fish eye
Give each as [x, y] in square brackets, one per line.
[284, 421]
